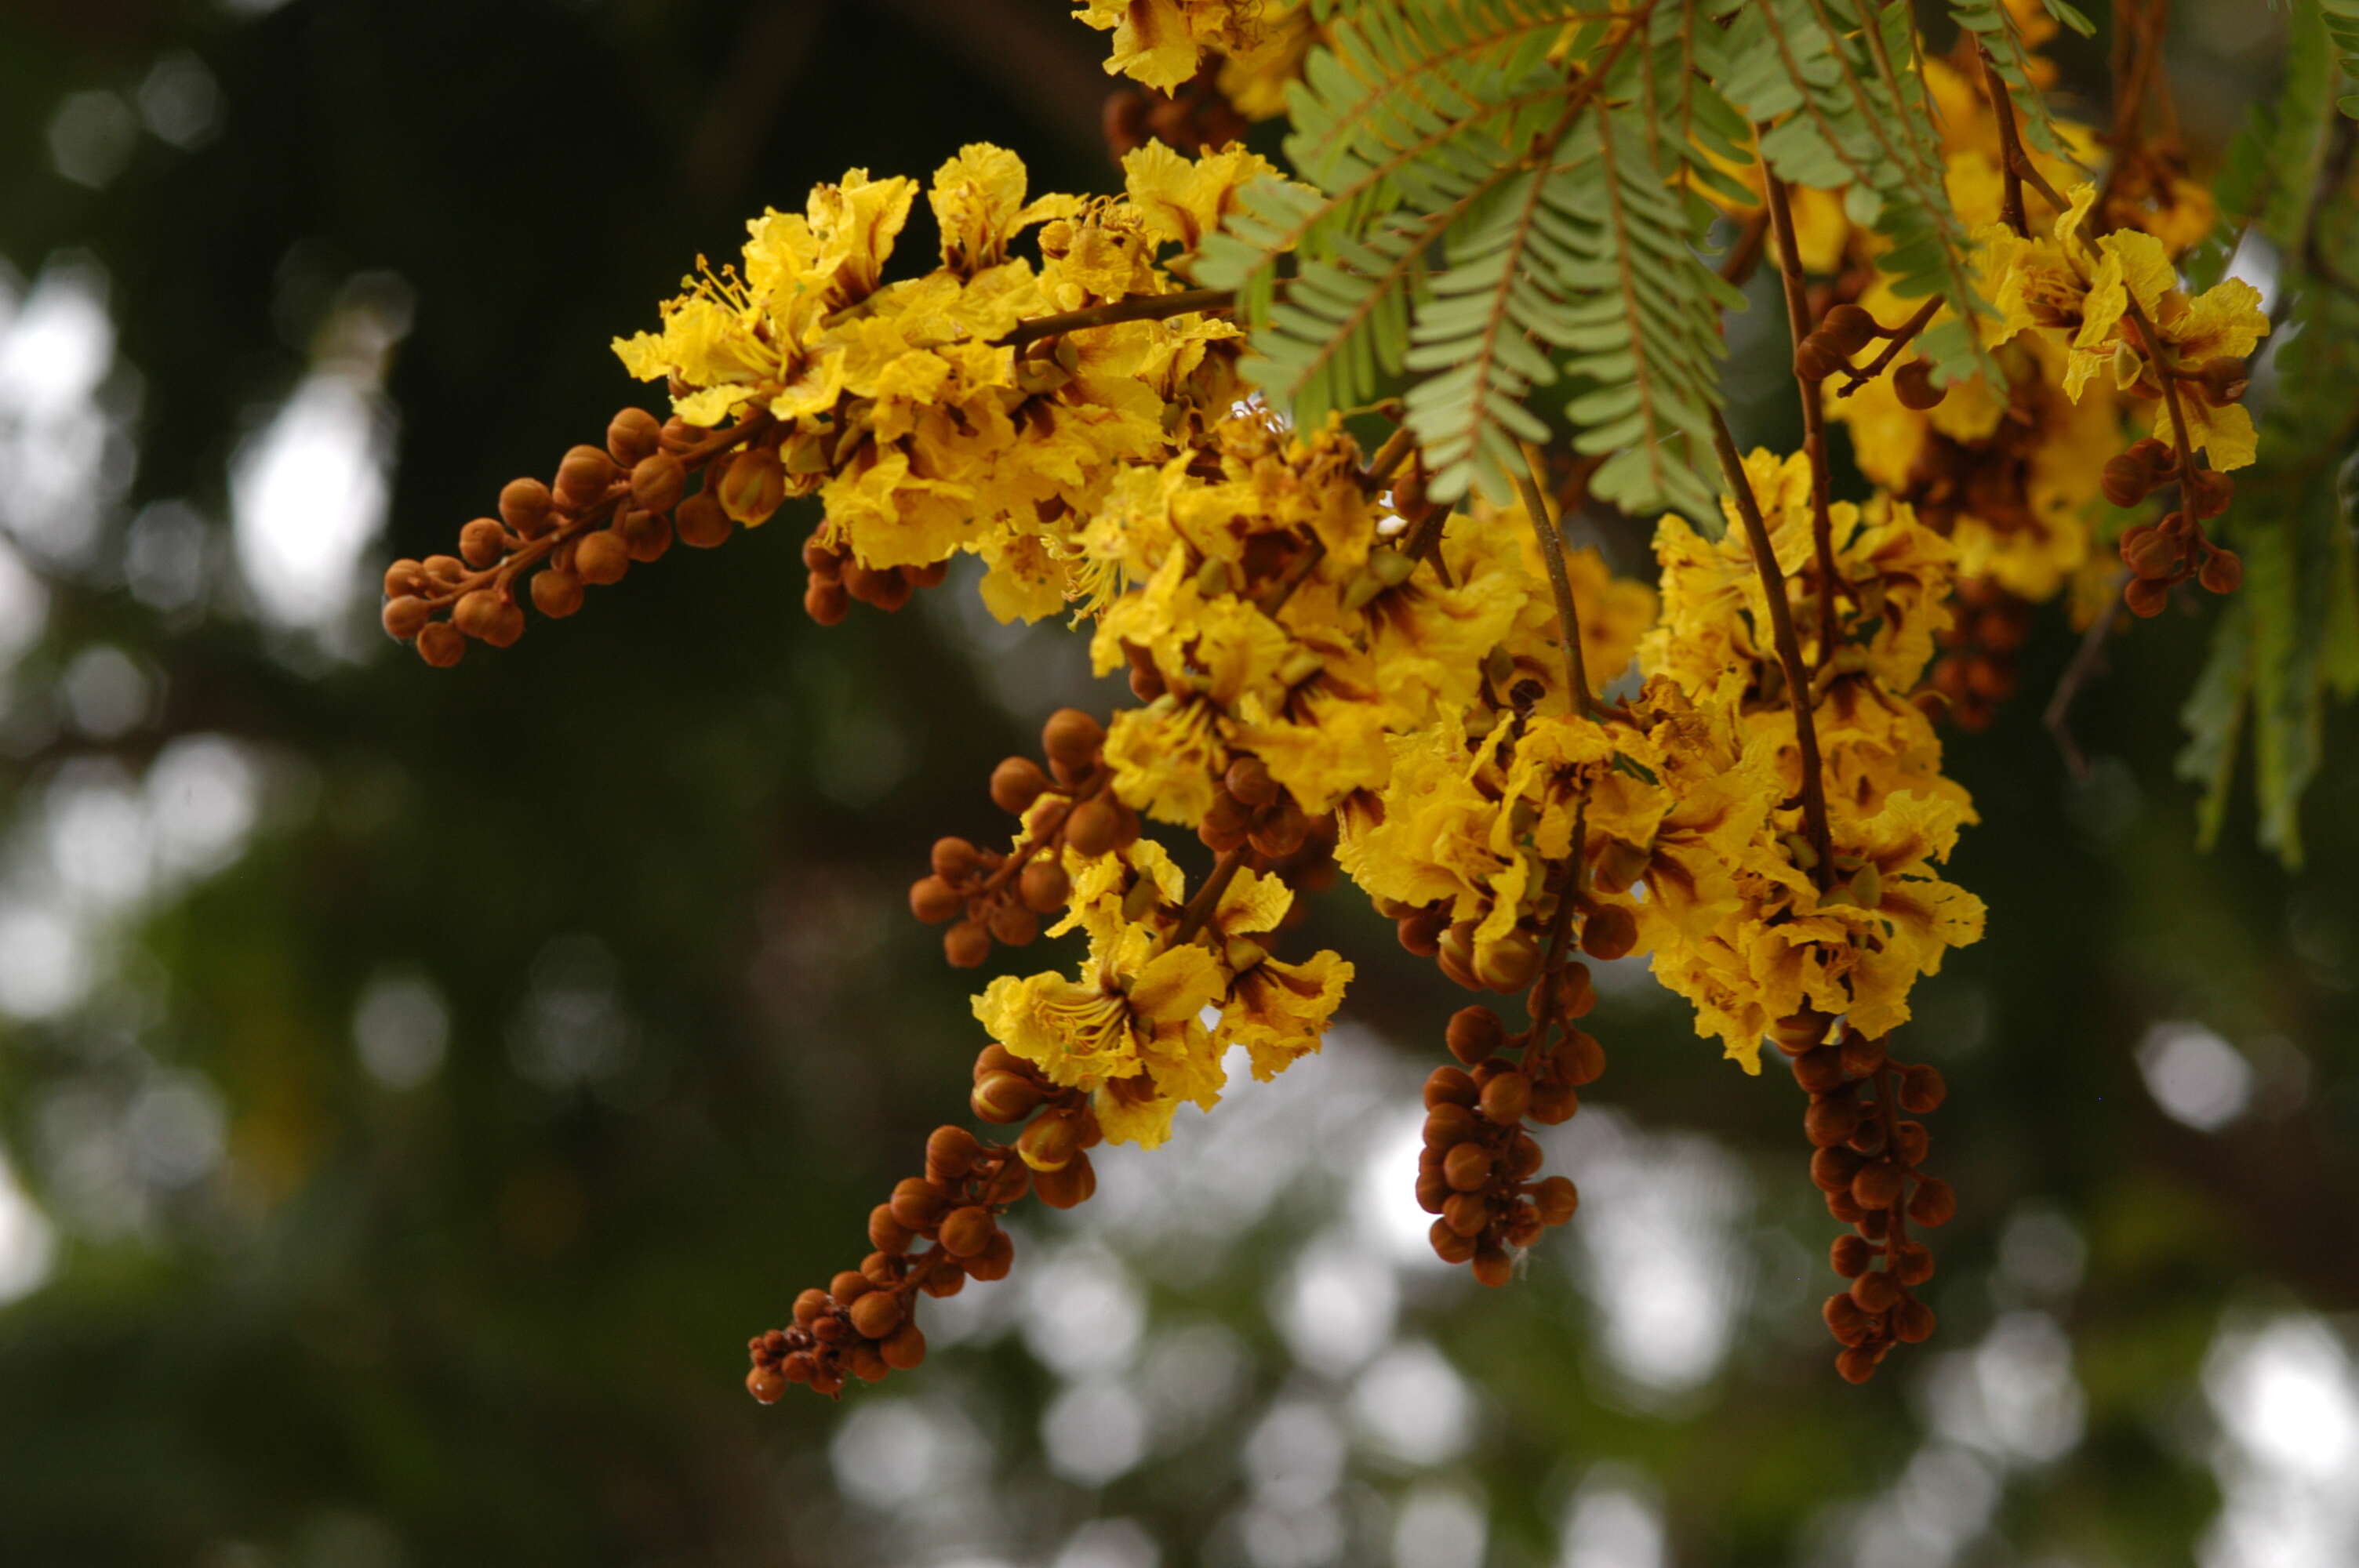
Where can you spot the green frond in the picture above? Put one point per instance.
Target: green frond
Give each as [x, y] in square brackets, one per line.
[1994, 28]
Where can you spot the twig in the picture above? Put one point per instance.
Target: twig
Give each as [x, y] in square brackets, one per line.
[1568, 618]
[1900, 338]
[1140, 307]
[1814, 414]
[2057, 717]
[1790, 650]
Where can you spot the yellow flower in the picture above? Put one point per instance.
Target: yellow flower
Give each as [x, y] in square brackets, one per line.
[978, 202]
[1165, 758]
[1156, 41]
[1181, 199]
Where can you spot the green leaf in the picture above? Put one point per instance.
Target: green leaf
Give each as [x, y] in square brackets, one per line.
[2214, 718]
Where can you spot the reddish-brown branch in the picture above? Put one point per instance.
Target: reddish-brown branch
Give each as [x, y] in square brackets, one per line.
[1814, 415]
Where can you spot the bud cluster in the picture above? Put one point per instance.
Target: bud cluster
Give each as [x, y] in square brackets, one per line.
[606, 507]
[1866, 1163]
[1981, 651]
[837, 577]
[1068, 805]
[864, 1324]
[2163, 555]
[1841, 334]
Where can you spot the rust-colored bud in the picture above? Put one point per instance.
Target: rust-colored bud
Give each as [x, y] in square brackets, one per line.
[1912, 1264]
[885, 1233]
[767, 1384]
[1506, 1098]
[1093, 828]
[1829, 1122]
[632, 435]
[1832, 1168]
[826, 602]
[404, 618]
[2223, 380]
[1850, 1255]
[523, 506]
[967, 944]
[1877, 1185]
[1044, 886]
[1856, 1364]
[809, 1307]
[1846, 1319]
[1913, 385]
[1421, 931]
[943, 1283]
[556, 594]
[1800, 1032]
[866, 1363]
[482, 542]
[1050, 1143]
[916, 1203]
[646, 536]
[602, 557]
[954, 859]
[1815, 358]
[405, 578]
[951, 1153]
[1507, 965]
[1474, 1033]
[1922, 1090]
[877, 1314]
[967, 1231]
[848, 1286]
[1862, 1054]
[1557, 1199]
[997, 1257]
[2127, 481]
[1449, 1086]
[753, 485]
[1608, 932]
[1072, 738]
[997, 1058]
[904, 1349]
[1934, 1202]
[1579, 1058]
[1820, 1071]
[1448, 1125]
[583, 478]
[1448, 1244]
[1467, 1168]
[656, 481]
[934, 901]
[1468, 1214]
[2223, 571]
[1012, 924]
[1553, 1104]
[2146, 596]
[1248, 779]
[1493, 1266]
[1077, 1182]
[475, 613]
[1847, 329]
[2208, 493]
[1004, 1098]
[700, 522]
[1016, 783]
[1432, 1191]
[441, 645]
[1912, 1322]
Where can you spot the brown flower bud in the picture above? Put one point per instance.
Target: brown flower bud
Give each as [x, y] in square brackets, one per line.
[632, 435]
[1523, 1156]
[997, 1257]
[1862, 1054]
[1467, 1168]
[954, 859]
[1248, 779]
[1044, 886]
[524, 505]
[967, 944]
[1820, 1071]
[1921, 1089]
[1912, 1264]
[1090, 829]
[2146, 596]
[951, 1153]
[482, 542]
[1850, 1255]
[2126, 480]
[1003, 1099]
[1608, 932]
[1553, 1104]
[916, 1203]
[904, 1349]
[404, 618]
[1077, 1182]
[1557, 1199]
[943, 1282]
[1050, 1142]
[765, 1384]
[1579, 1058]
[583, 478]
[1072, 738]
[700, 522]
[2223, 571]
[1877, 1185]
[848, 1286]
[1421, 931]
[1847, 329]
[1448, 1244]
[1474, 1033]
[1800, 1032]
[602, 557]
[1506, 1098]
[1815, 358]
[1829, 1120]
[1012, 924]
[1839, 1205]
[753, 485]
[1448, 1125]
[1934, 1202]
[885, 1233]
[1913, 385]
[866, 1363]
[1493, 1265]
[405, 578]
[656, 481]
[809, 1307]
[441, 645]
[967, 1231]
[934, 901]
[1856, 1364]
[1912, 1322]
[2208, 493]
[877, 1314]
[1832, 1168]
[556, 594]
[1846, 1320]
[1449, 1086]
[475, 613]
[826, 602]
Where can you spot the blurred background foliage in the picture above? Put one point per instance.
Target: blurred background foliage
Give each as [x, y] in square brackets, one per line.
[414, 1086]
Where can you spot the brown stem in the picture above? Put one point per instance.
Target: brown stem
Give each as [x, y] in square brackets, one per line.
[1568, 617]
[1814, 415]
[2011, 181]
[1744, 256]
[1898, 337]
[1140, 307]
[1790, 650]
[1200, 908]
[2058, 712]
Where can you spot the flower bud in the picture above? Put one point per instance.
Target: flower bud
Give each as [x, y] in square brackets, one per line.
[1922, 1090]
[1012, 924]
[826, 602]
[523, 506]
[633, 434]
[1847, 329]
[1449, 1086]
[2126, 480]
[934, 901]
[656, 481]
[1858, 1363]
[1072, 738]
[1044, 886]
[1467, 1168]
[1912, 1264]
[1474, 1033]
[1557, 1199]
[1093, 827]
[1877, 1185]
[441, 645]
[754, 486]
[967, 1231]
[1076, 1184]
[1419, 931]
[405, 617]
[602, 557]
[1815, 358]
[556, 594]
[848, 1286]
[954, 859]
[1913, 385]
[1608, 932]
[1507, 965]
[1050, 1143]
[904, 1349]
[1579, 1058]
[1449, 1244]
[2146, 596]
[1493, 1267]
[1003, 1099]
[1248, 779]
[482, 542]
[1468, 1214]
[1820, 1071]
[765, 1384]
[583, 478]
[2223, 380]
[997, 1258]
[1507, 1099]
[1850, 1255]
[2223, 571]
[1448, 1125]
[1829, 1122]
[1934, 1203]
[967, 944]
[1553, 1104]
[877, 1314]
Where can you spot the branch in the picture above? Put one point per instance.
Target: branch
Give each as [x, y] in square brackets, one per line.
[1568, 618]
[1814, 414]
[1139, 308]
